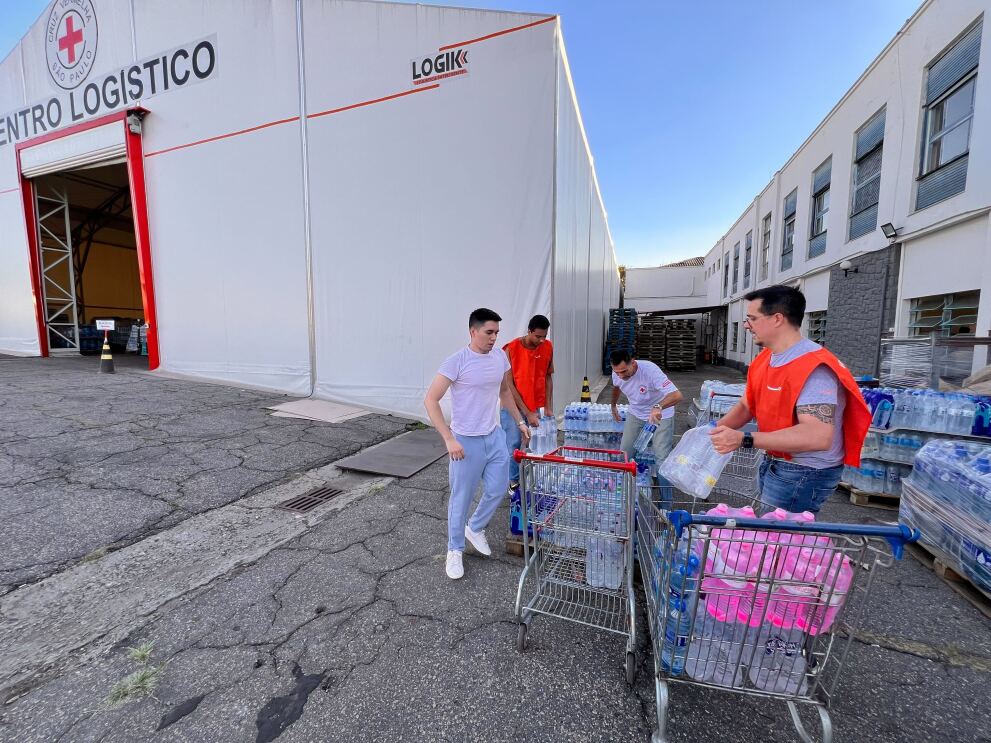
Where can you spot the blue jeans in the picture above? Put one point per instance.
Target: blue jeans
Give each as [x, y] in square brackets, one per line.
[485, 462]
[795, 487]
[513, 440]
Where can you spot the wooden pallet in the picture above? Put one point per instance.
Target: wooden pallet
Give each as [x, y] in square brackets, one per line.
[514, 544]
[941, 565]
[874, 500]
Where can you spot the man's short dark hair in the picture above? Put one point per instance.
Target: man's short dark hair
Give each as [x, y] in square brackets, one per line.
[538, 322]
[620, 357]
[787, 300]
[482, 315]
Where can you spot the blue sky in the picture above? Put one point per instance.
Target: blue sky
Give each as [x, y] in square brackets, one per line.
[690, 107]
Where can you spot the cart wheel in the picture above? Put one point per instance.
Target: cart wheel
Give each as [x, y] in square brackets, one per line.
[521, 637]
[631, 668]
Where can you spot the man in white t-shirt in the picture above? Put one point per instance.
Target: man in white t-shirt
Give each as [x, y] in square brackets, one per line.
[479, 377]
[651, 396]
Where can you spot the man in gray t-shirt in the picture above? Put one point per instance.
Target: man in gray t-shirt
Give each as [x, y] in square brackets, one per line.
[802, 404]
[821, 388]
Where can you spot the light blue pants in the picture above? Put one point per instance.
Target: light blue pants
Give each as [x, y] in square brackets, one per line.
[486, 461]
[513, 440]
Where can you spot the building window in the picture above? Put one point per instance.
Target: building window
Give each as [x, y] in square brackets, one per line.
[734, 336]
[747, 252]
[788, 230]
[820, 208]
[951, 82]
[948, 127]
[736, 267]
[726, 275]
[867, 176]
[945, 315]
[817, 327]
[765, 246]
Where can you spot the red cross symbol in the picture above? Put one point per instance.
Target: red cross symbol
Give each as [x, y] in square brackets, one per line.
[73, 37]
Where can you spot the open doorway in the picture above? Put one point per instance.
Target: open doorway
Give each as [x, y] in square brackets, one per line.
[89, 261]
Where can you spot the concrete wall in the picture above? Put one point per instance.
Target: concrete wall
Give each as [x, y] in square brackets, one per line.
[861, 309]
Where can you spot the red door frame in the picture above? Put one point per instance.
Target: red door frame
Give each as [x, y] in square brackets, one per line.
[139, 207]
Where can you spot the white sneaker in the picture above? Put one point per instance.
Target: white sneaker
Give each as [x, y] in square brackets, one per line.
[478, 541]
[454, 567]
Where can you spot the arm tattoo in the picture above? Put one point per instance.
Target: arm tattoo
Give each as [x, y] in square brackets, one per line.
[820, 411]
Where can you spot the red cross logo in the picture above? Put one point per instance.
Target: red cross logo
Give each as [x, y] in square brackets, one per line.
[73, 37]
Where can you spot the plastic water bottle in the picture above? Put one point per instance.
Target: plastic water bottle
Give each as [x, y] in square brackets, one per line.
[675, 649]
[684, 574]
[644, 439]
[778, 665]
[613, 556]
[892, 480]
[694, 466]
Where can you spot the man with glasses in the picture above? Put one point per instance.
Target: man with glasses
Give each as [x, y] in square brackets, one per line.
[811, 417]
[652, 397]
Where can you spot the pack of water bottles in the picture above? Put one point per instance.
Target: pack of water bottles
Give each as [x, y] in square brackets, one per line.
[948, 498]
[719, 396]
[543, 436]
[900, 445]
[694, 466]
[874, 476]
[927, 410]
[592, 426]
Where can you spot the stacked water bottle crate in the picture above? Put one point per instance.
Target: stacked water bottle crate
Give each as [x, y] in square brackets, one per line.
[903, 421]
[954, 413]
[948, 498]
[592, 426]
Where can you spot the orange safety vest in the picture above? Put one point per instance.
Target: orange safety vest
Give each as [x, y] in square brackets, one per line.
[772, 392]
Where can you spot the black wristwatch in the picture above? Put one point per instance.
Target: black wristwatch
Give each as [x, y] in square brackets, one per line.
[748, 441]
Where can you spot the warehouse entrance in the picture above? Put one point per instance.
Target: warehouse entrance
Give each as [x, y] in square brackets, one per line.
[84, 206]
[88, 258]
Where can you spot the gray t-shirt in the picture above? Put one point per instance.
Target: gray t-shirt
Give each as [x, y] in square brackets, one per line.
[822, 387]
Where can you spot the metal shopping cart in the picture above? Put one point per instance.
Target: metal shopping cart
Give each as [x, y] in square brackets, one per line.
[579, 504]
[761, 607]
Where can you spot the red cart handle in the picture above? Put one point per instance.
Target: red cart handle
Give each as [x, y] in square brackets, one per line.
[630, 467]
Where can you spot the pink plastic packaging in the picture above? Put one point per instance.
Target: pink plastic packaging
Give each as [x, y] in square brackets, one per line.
[835, 580]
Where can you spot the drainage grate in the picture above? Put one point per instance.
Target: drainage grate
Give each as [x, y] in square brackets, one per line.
[308, 501]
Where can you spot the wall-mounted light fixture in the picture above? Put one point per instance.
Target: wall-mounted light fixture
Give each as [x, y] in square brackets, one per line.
[848, 268]
[889, 230]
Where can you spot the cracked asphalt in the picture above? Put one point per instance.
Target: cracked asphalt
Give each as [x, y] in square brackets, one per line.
[349, 630]
[109, 459]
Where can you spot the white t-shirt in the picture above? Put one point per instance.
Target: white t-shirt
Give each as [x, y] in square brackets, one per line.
[646, 388]
[475, 382]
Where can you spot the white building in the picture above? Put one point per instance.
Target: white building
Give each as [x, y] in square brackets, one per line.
[306, 196]
[908, 147]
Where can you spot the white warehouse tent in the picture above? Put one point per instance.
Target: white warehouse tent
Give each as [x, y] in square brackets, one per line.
[308, 197]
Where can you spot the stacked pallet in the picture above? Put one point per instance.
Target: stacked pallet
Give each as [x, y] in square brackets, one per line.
[680, 349]
[651, 339]
[621, 336]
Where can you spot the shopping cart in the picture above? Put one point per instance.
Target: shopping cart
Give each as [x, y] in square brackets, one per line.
[579, 504]
[760, 607]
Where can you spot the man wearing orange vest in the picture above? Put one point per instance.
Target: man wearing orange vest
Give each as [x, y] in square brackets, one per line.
[811, 417]
[532, 360]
